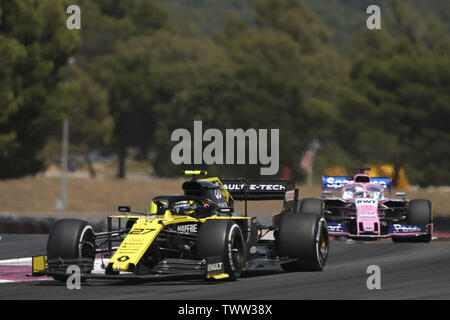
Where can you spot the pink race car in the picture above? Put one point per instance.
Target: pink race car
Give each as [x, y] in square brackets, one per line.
[363, 211]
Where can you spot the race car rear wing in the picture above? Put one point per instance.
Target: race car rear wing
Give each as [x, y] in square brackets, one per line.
[336, 183]
[257, 189]
[263, 190]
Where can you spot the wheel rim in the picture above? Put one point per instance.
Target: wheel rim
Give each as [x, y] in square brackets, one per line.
[87, 244]
[237, 253]
[87, 250]
[323, 247]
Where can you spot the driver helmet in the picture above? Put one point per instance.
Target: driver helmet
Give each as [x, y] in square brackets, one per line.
[359, 192]
[184, 207]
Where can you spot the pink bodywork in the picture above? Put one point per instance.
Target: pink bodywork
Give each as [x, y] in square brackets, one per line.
[368, 216]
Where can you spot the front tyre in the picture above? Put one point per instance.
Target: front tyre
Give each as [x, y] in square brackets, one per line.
[419, 213]
[70, 242]
[223, 238]
[305, 238]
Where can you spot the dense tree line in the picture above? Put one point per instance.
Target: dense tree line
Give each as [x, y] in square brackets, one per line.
[33, 52]
[382, 97]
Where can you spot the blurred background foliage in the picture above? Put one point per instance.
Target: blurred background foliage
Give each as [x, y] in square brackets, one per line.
[308, 67]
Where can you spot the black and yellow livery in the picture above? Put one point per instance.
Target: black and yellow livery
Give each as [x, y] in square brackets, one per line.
[196, 233]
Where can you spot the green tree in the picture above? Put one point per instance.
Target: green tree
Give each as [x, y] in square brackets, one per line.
[396, 102]
[112, 54]
[34, 47]
[91, 124]
[153, 69]
[251, 88]
[289, 57]
[105, 23]
[274, 76]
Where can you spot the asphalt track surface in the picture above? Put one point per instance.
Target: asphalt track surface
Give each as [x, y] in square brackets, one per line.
[408, 271]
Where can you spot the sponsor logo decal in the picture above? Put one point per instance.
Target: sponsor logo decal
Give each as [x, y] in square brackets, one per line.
[255, 187]
[339, 182]
[141, 231]
[367, 207]
[215, 266]
[367, 214]
[335, 182]
[187, 228]
[123, 258]
[337, 227]
[407, 228]
[289, 195]
[372, 202]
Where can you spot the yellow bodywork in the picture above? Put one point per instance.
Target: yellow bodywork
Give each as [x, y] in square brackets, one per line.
[146, 229]
[136, 243]
[219, 276]
[144, 232]
[38, 264]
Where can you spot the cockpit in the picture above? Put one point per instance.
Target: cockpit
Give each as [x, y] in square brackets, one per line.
[357, 191]
[375, 192]
[205, 189]
[352, 192]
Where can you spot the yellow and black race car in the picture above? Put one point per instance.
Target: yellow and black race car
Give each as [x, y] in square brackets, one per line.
[197, 232]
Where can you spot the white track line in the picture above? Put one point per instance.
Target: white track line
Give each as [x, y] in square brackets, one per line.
[16, 262]
[28, 262]
[21, 262]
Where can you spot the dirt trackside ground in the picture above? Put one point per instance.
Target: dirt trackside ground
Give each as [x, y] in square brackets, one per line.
[39, 195]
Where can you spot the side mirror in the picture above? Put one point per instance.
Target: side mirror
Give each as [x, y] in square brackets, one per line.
[124, 209]
[400, 194]
[326, 193]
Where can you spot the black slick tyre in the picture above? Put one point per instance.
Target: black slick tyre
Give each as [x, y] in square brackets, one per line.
[70, 240]
[303, 237]
[419, 213]
[223, 238]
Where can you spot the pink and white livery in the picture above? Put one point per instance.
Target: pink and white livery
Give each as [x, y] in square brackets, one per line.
[363, 211]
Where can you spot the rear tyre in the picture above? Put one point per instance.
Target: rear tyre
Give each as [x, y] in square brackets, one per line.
[223, 238]
[305, 238]
[312, 205]
[419, 213]
[70, 239]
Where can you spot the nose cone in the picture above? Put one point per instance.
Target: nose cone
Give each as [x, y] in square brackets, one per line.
[368, 226]
[367, 216]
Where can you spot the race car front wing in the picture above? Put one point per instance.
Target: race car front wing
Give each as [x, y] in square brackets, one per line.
[211, 267]
[396, 229]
